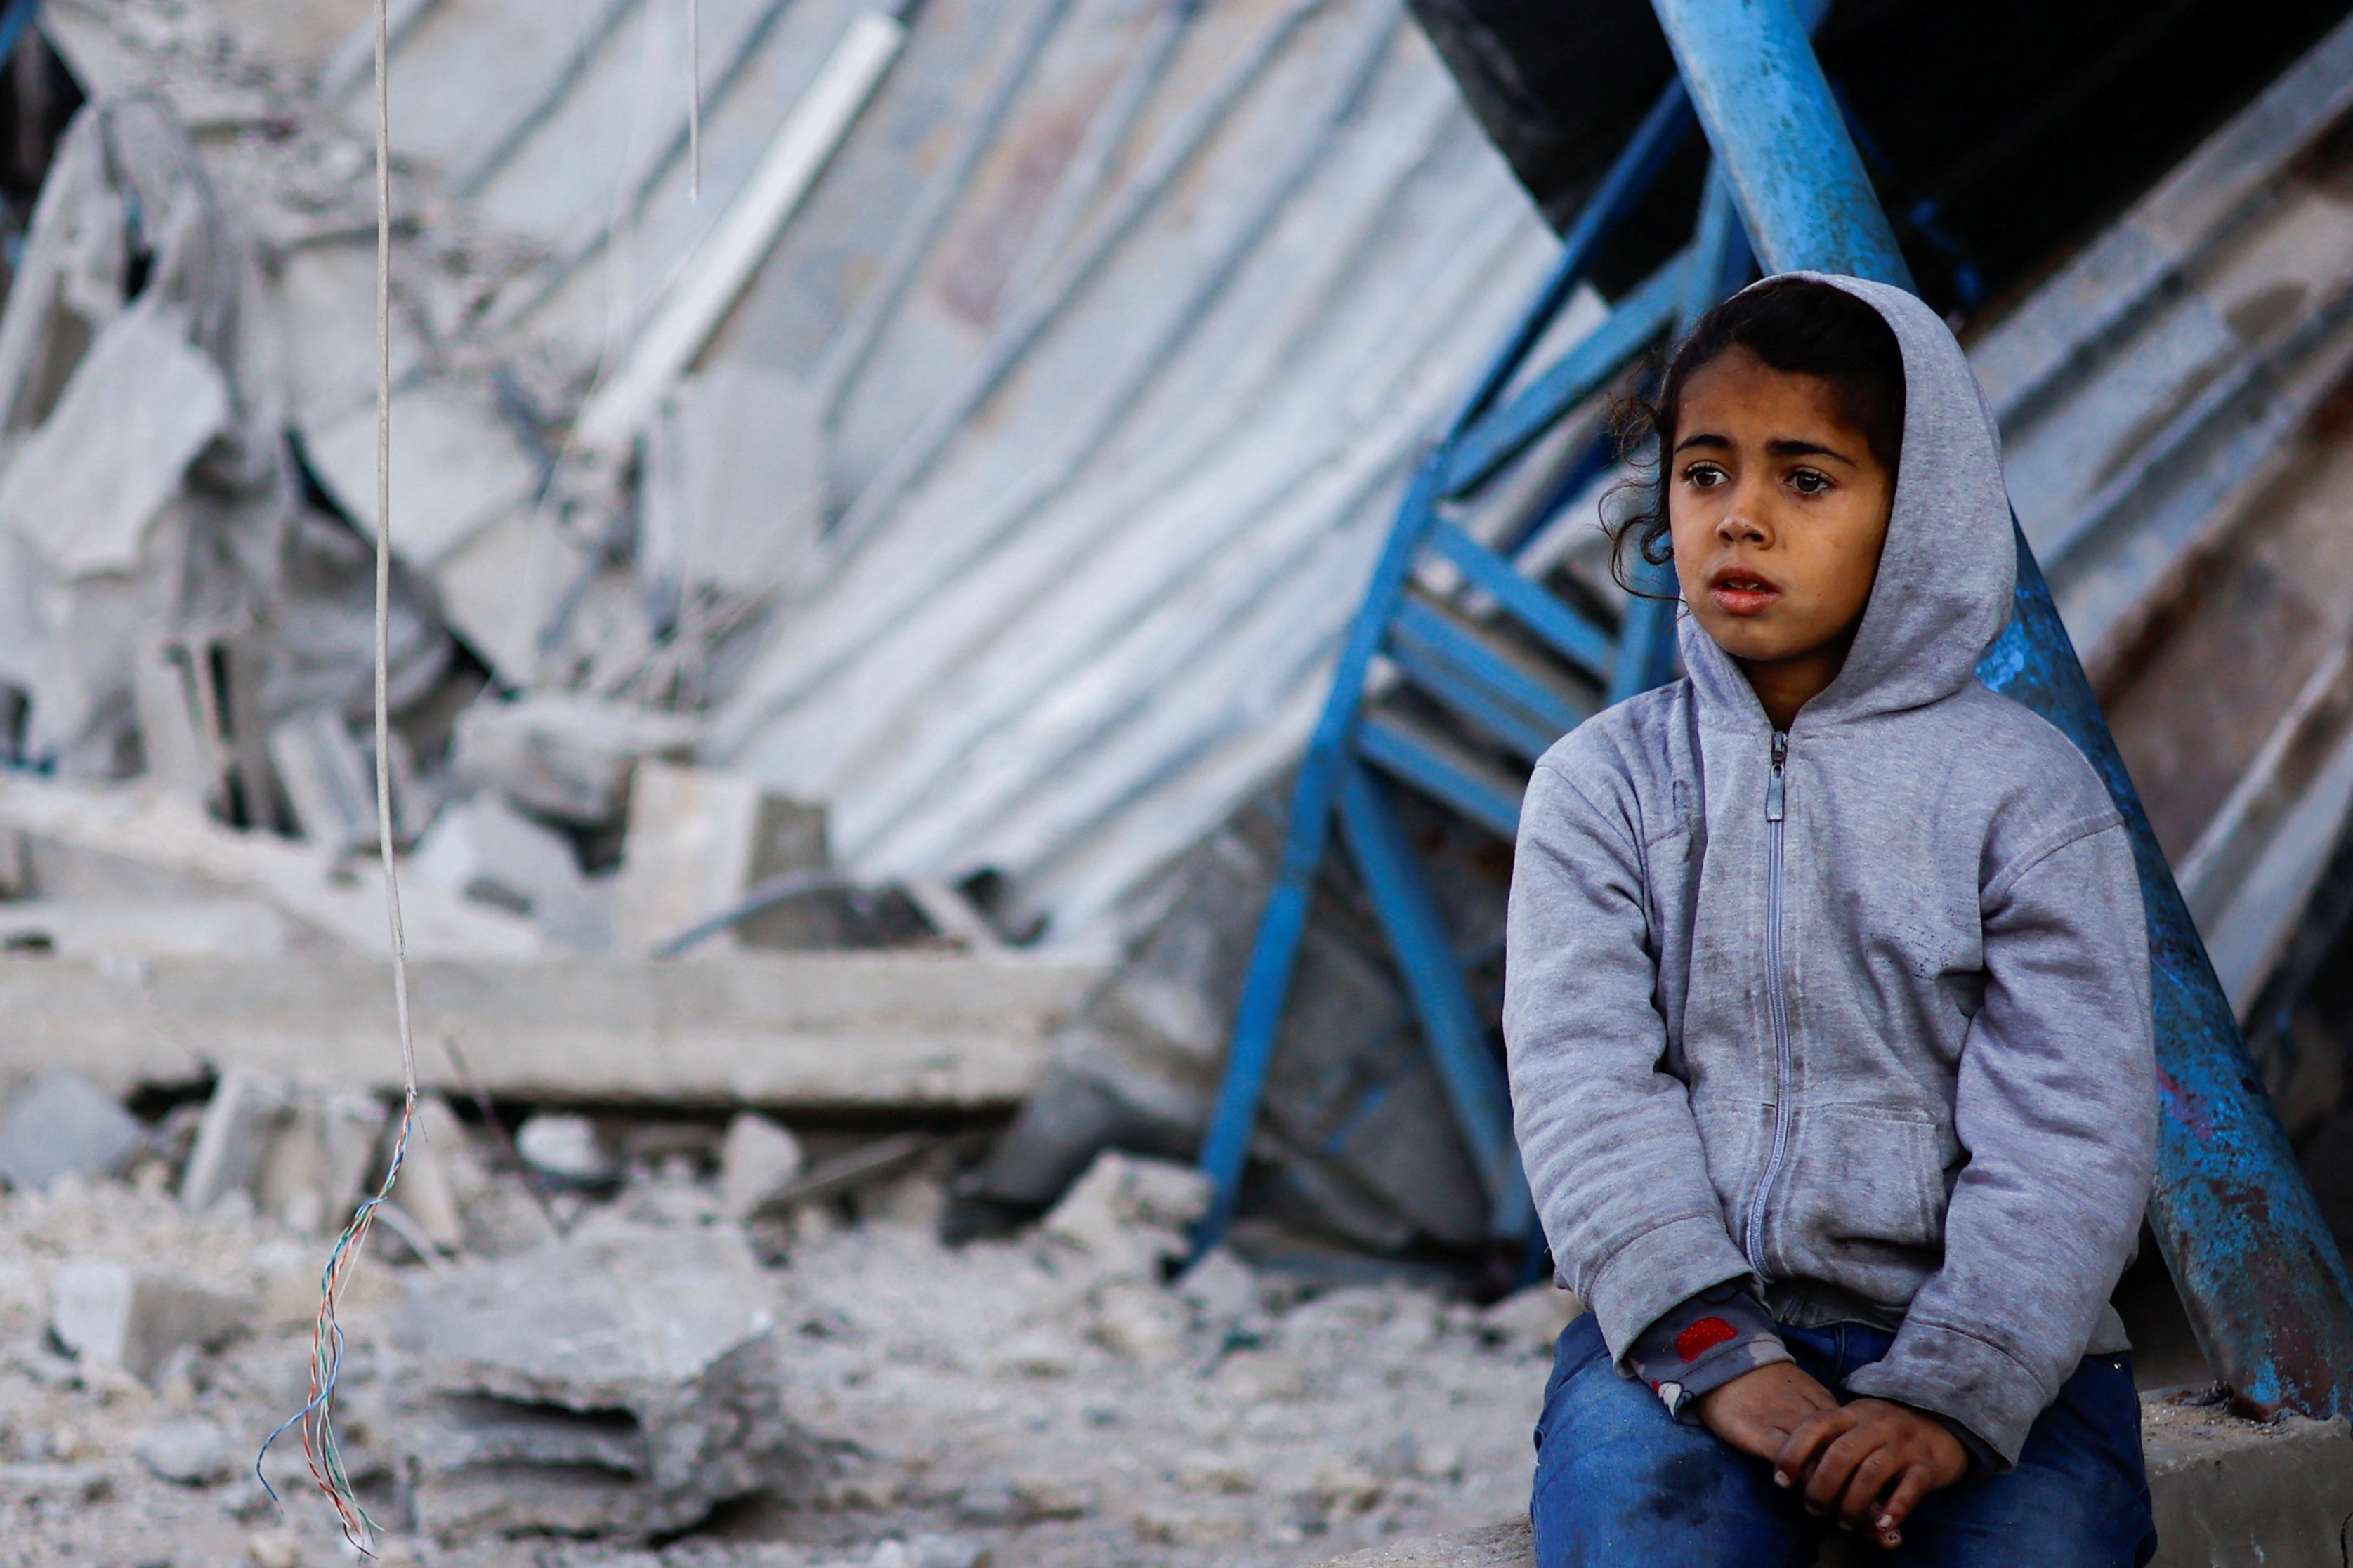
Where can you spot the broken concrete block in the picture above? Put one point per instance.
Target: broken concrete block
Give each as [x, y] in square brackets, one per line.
[486, 850]
[440, 1175]
[234, 1140]
[139, 407]
[624, 1384]
[326, 292]
[1130, 1215]
[296, 1152]
[563, 755]
[318, 1160]
[192, 1451]
[112, 1315]
[734, 482]
[690, 845]
[2229, 1490]
[61, 1125]
[179, 705]
[500, 589]
[327, 783]
[1139, 1321]
[757, 1160]
[175, 928]
[457, 466]
[698, 840]
[567, 1148]
[1221, 1286]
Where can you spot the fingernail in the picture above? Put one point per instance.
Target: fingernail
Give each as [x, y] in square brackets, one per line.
[1887, 1522]
[1782, 1478]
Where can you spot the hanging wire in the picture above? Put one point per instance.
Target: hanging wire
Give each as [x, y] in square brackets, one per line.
[694, 100]
[317, 1418]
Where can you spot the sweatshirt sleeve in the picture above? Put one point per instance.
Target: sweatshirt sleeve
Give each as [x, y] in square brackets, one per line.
[2056, 1109]
[1607, 1137]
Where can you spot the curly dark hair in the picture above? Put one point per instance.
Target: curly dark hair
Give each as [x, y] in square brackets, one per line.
[1793, 324]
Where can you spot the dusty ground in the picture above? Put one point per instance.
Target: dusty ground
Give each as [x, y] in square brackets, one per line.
[1025, 1400]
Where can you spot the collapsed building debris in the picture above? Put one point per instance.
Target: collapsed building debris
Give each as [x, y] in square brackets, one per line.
[130, 1319]
[623, 1384]
[858, 636]
[61, 1125]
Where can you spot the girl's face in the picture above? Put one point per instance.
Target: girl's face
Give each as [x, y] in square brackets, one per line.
[1778, 511]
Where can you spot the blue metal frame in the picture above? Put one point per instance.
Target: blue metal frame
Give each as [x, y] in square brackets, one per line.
[2266, 1289]
[1516, 706]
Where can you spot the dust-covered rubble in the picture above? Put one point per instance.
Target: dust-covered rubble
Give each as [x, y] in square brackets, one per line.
[584, 1376]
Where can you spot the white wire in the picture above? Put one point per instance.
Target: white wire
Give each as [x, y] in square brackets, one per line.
[384, 547]
[694, 100]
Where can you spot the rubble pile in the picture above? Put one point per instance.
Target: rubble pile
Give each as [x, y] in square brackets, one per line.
[626, 1384]
[567, 1372]
[188, 503]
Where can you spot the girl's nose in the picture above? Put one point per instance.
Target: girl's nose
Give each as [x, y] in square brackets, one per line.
[1739, 524]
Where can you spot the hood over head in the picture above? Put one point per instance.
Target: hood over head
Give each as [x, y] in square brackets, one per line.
[1949, 568]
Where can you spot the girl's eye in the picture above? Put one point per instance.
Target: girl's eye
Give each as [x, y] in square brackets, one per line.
[1810, 481]
[1704, 476]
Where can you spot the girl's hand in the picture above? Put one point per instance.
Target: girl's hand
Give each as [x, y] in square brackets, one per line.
[1869, 1461]
[1758, 1412]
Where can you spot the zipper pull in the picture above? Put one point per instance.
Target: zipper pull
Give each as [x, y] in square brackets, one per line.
[1773, 790]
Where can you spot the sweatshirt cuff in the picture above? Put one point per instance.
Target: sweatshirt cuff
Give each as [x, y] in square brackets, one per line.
[1963, 1378]
[1642, 1281]
[1718, 1335]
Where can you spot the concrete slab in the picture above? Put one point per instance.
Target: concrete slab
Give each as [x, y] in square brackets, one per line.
[62, 1125]
[2228, 1494]
[623, 1384]
[159, 834]
[788, 1031]
[110, 1314]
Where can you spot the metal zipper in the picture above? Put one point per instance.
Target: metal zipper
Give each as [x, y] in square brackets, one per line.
[1776, 997]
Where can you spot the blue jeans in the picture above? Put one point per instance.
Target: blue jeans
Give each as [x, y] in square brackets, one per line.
[1619, 1484]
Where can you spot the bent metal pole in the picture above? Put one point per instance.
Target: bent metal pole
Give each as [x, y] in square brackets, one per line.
[2265, 1287]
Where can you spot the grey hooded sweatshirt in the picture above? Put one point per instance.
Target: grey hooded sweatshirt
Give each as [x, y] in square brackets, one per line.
[1869, 1029]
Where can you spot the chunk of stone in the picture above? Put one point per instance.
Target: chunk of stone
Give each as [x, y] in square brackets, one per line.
[112, 1315]
[734, 484]
[63, 1125]
[192, 1451]
[456, 467]
[240, 1126]
[318, 1160]
[85, 486]
[698, 840]
[563, 755]
[624, 1384]
[2229, 1490]
[299, 1153]
[441, 1174]
[327, 781]
[1221, 1286]
[486, 850]
[177, 928]
[1129, 1215]
[757, 1160]
[1141, 1322]
[567, 1148]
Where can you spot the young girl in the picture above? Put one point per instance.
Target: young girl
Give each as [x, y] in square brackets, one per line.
[1828, 1006]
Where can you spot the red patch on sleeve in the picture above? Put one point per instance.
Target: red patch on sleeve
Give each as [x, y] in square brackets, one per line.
[1703, 1337]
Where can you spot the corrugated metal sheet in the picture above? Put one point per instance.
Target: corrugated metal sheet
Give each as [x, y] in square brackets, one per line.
[1126, 318]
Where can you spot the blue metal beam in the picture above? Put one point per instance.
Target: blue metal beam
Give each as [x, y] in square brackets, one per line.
[1433, 976]
[2266, 1289]
[1267, 985]
[1571, 636]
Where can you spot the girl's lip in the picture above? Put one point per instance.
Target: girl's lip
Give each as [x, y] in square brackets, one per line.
[1742, 591]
